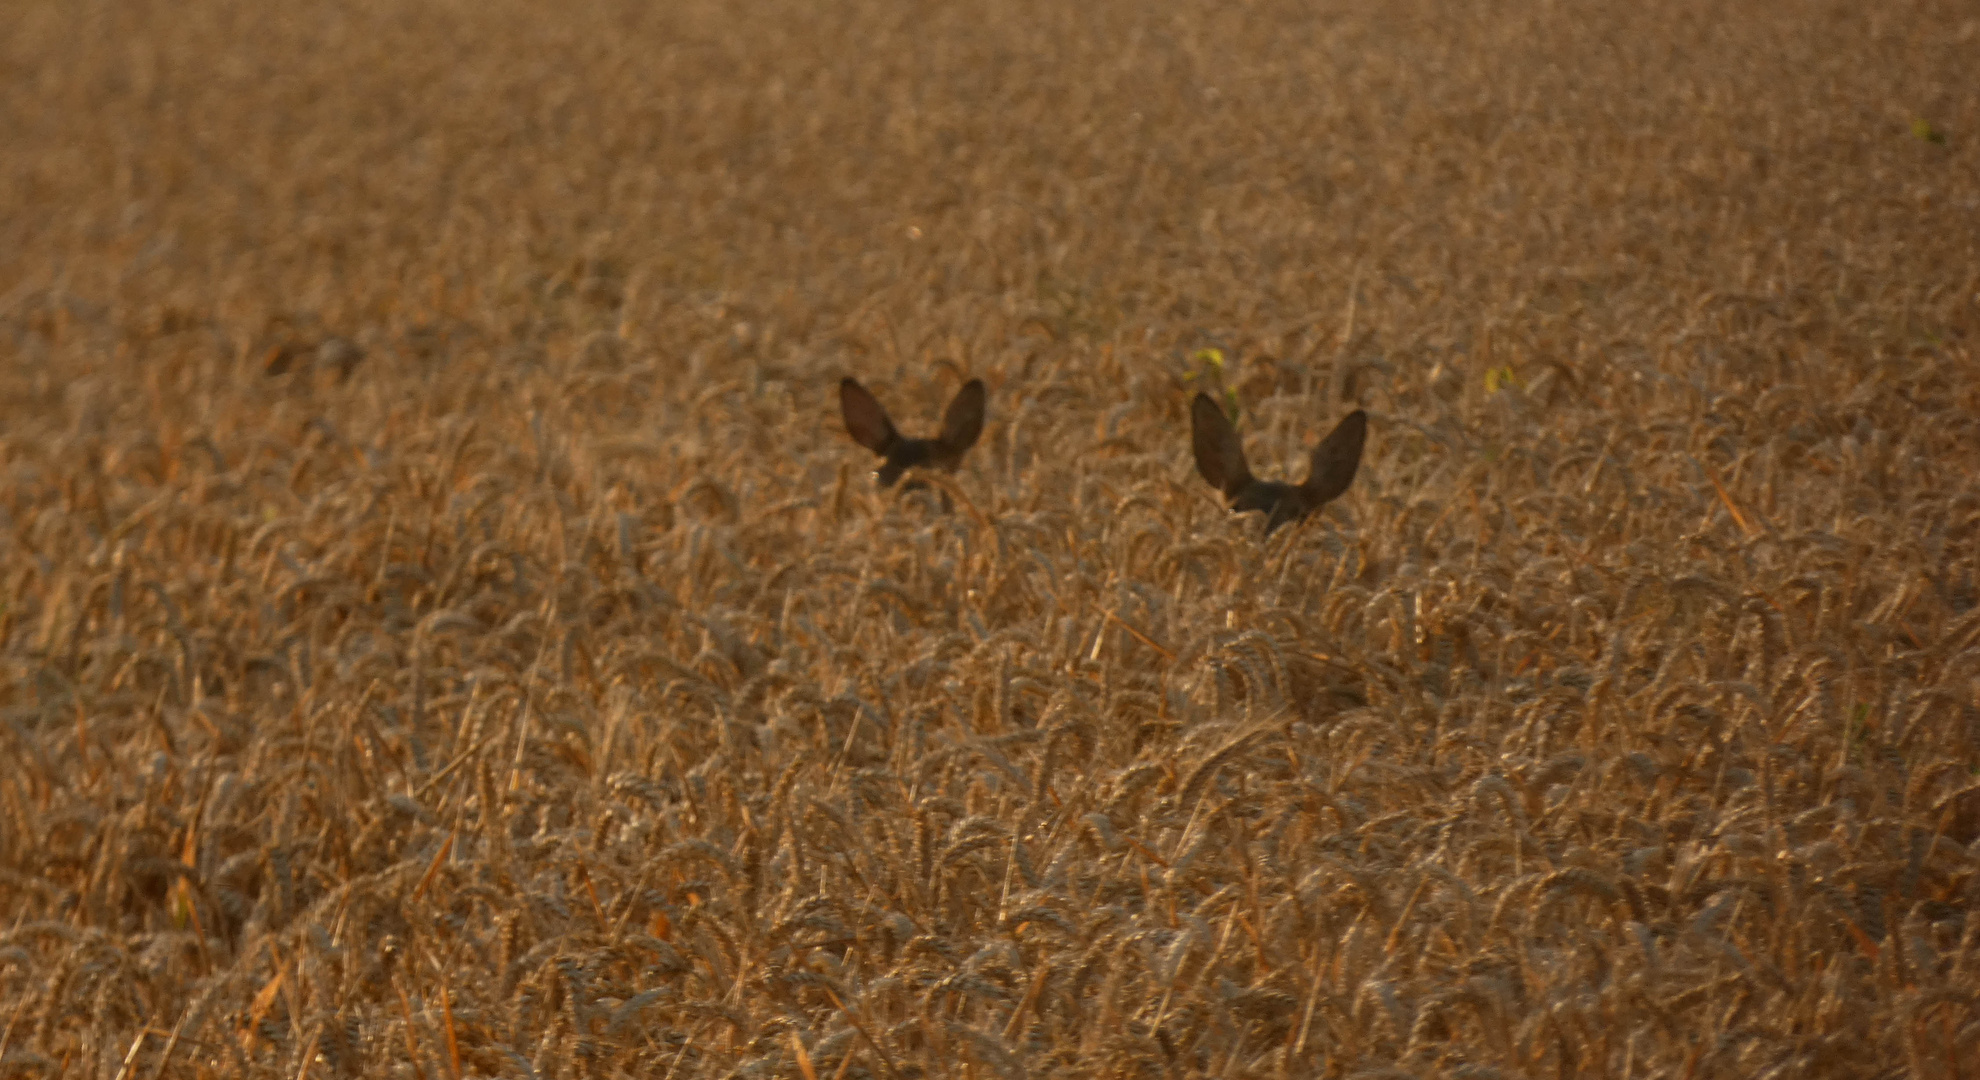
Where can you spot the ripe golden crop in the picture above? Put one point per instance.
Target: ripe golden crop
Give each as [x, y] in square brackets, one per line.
[446, 629]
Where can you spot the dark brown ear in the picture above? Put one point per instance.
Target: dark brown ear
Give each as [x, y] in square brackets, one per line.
[962, 424]
[1219, 451]
[1336, 459]
[866, 421]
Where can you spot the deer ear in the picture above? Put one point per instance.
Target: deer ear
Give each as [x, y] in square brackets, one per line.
[962, 423]
[1336, 459]
[866, 421]
[1219, 451]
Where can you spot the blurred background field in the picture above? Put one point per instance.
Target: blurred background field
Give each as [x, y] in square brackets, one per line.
[446, 631]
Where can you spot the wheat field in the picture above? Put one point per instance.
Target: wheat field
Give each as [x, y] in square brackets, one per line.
[446, 630]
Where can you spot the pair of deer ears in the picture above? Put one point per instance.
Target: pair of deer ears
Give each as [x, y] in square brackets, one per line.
[1220, 455]
[870, 426]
